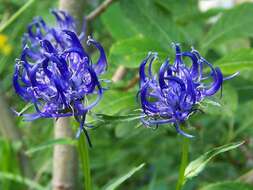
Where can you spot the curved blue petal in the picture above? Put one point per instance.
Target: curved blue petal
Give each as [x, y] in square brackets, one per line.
[142, 73]
[217, 83]
[178, 58]
[182, 132]
[146, 105]
[101, 65]
[19, 90]
[195, 64]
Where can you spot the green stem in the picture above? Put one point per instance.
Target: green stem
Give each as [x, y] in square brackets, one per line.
[84, 154]
[16, 15]
[184, 162]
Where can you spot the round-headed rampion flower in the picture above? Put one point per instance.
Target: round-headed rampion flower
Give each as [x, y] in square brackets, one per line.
[54, 71]
[174, 94]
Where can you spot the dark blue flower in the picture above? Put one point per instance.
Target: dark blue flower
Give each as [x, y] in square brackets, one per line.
[175, 93]
[54, 71]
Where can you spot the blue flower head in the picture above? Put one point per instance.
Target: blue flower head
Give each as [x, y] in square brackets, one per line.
[175, 93]
[55, 73]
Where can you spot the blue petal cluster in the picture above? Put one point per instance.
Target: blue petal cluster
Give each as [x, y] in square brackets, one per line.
[173, 95]
[54, 71]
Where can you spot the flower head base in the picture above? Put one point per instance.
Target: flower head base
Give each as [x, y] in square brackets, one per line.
[55, 73]
[173, 95]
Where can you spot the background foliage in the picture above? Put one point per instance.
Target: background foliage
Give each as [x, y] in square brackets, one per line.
[128, 30]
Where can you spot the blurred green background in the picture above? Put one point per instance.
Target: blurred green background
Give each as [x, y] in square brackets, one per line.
[129, 29]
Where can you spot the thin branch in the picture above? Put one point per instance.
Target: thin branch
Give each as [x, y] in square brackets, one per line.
[132, 83]
[99, 10]
[247, 178]
[119, 73]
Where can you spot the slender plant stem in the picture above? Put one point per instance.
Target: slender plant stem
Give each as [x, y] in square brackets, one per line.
[99, 10]
[16, 15]
[184, 162]
[65, 158]
[84, 156]
[119, 73]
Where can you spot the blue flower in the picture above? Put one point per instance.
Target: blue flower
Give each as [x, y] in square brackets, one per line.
[173, 95]
[54, 71]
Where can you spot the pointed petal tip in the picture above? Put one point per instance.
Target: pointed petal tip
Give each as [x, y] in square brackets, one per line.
[78, 133]
[16, 113]
[181, 132]
[90, 40]
[232, 76]
[176, 46]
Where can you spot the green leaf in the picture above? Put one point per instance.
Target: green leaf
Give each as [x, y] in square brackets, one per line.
[182, 10]
[236, 61]
[211, 102]
[114, 101]
[131, 52]
[225, 106]
[198, 165]
[234, 23]
[125, 129]
[243, 84]
[187, 18]
[121, 118]
[229, 101]
[245, 114]
[117, 23]
[227, 185]
[50, 144]
[17, 178]
[151, 21]
[122, 123]
[115, 183]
